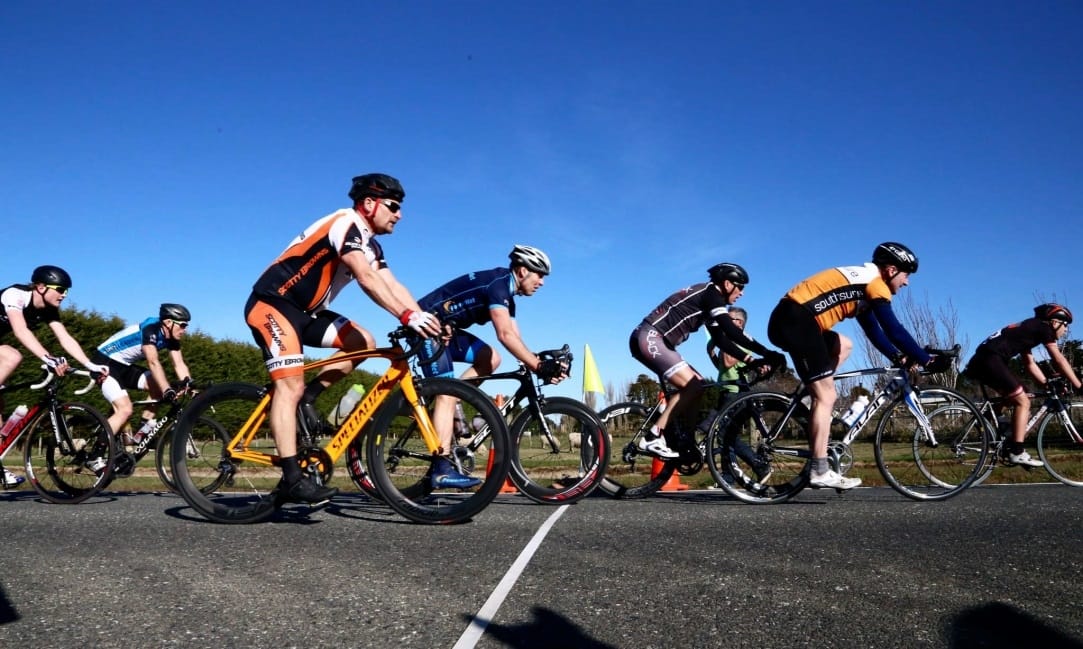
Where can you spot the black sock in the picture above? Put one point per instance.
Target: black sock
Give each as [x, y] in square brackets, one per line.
[291, 470]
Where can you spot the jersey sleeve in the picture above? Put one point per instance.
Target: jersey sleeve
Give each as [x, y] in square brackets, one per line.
[731, 339]
[888, 334]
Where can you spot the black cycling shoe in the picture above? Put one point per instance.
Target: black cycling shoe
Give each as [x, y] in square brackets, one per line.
[307, 491]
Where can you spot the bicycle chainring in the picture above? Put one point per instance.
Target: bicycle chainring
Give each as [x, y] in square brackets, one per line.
[124, 465]
[316, 459]
[841, 457]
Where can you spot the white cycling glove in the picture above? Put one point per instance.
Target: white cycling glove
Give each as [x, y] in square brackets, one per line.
[419, 321]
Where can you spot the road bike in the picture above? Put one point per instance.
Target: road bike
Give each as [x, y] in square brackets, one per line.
[913, 446]
[158, 438]
[1059, 421]
[559, 446]
[66, 445]
[401, 445]
[634, 473]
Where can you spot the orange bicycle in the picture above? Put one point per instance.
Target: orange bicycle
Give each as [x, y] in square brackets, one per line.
[237, 482]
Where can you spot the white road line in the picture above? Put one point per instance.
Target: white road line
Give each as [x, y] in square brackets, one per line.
[474, 631]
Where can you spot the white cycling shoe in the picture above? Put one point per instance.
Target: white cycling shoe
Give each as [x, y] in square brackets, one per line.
[832, 480]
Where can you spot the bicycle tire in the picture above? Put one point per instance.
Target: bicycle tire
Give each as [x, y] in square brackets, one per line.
[923, 471]
[218, 487]
[964, 442]
[1061, 453]
[63, 478]
[356, 468]
[631, 473]
[163, 460]
[401, 464]
[571, 471]
[739, 449]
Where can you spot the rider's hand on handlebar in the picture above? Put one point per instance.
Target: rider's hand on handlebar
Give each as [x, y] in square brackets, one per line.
[938, 363]
[552, 370]
[422, 322]
[776, 360]
[57, 364]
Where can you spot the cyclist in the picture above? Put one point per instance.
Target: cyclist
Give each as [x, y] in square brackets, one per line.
[802, 324]
[288, 309]
[476, 298]
[26, 307]
[654, 343]
[989, 365]
[142, 342]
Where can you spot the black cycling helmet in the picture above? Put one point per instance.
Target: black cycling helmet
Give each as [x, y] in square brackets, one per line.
[376, 186]
[54, 275]
[176, 312]
[896, 255]
[1053, 311]
[733, 272]
[533, 258]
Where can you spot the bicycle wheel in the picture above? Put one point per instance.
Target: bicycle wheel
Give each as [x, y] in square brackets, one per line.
[566, 465]
[221, 488]
[209, 444]
[969, 448]
[754, 455]
[62, 465]
[401, 464]
[631, 473]
[1061, 447]
[924, 468]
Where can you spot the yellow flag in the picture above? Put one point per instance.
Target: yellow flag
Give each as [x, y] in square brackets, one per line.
[592, 381]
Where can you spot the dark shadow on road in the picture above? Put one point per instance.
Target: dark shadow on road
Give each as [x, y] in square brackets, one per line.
[7, 610]
[1000, 626]
[548, 630]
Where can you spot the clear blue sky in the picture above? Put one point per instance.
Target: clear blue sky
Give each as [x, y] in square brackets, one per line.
[167, 151]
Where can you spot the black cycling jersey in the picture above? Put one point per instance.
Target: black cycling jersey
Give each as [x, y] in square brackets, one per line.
[18, 297]
[1018, 338]
[467, 299]
[689, 309]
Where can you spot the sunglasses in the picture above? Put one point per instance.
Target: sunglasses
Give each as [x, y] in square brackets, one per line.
[181, 324]
[391, 205]
[63, 290]
[739, 287]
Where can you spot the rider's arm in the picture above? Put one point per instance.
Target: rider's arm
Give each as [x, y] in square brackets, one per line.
[1061, 364]
[179, 366]
[507, 332]
[730, 339]
[24, 335]
[157, 372]
[381, 286]
[73, 348]
[888, 335]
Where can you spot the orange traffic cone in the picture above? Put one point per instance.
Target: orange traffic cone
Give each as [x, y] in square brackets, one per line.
[507, 487]
[673, 484]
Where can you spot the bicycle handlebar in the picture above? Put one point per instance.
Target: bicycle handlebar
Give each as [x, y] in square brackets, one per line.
[50, 375]
[417, 343]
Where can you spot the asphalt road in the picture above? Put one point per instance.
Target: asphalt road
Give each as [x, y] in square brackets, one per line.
[997, 567]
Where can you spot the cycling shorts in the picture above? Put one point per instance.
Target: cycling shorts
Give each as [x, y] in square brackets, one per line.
[463, 347]
[814, 352]
[649, 347]
[281, 330]
[121, 377]
[992, 370]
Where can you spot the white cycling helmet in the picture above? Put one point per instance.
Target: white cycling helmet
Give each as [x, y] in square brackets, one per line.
[532, 258]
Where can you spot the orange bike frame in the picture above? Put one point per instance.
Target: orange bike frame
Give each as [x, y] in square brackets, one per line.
[398, 374]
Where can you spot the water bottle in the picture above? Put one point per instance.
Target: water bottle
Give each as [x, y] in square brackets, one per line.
[148, 425]
[856, 408]
[347, 403]
[13, 420]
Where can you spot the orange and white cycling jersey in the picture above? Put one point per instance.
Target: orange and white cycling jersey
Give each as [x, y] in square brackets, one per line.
[309, 272]
[835, 294]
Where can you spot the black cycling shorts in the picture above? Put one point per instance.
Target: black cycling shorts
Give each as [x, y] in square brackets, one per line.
[814, 352]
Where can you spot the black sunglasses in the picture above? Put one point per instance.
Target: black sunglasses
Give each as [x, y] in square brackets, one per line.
[391, 205]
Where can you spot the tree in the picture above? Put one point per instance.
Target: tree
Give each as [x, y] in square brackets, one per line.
[643, 390]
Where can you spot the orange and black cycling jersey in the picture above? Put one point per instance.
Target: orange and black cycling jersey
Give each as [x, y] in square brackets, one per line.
[309, 272]
[838, 293]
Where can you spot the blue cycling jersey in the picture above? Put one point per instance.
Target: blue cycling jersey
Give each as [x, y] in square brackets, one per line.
[126, 346]
[468, 299]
